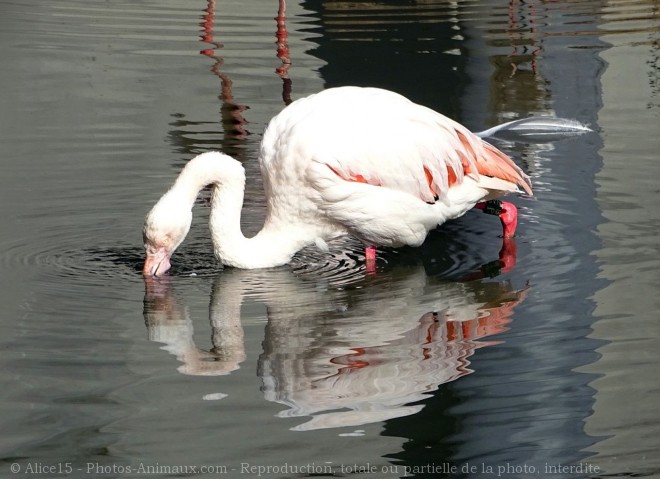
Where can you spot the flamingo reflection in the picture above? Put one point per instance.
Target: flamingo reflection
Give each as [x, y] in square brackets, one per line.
[342, 356]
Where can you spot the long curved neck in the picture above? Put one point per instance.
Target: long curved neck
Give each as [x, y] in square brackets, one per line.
[274, 245]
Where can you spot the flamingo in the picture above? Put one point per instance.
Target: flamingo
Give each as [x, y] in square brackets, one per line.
[348, 160]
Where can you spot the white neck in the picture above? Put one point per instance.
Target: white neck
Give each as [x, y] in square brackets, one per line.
[274, 245]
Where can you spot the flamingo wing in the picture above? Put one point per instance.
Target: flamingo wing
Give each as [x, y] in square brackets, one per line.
[370, 159]
[380, 138]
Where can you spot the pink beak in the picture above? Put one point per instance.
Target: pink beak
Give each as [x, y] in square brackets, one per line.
[157, 263]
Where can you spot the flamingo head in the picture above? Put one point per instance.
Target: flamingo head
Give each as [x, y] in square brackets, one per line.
[165, 228]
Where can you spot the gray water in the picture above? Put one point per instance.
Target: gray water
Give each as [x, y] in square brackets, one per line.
[525, 370]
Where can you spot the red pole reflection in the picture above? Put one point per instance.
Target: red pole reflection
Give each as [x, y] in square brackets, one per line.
[283, 52]
[231, 111]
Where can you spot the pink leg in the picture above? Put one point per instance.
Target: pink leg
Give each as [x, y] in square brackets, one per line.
[370, 259]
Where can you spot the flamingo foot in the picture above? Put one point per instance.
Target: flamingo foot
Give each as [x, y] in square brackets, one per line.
[507, 212]
[370, 259]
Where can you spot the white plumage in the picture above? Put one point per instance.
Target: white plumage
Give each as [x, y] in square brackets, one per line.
[362, 161]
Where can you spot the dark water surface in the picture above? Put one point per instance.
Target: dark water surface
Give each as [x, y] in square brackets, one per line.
[443, 364]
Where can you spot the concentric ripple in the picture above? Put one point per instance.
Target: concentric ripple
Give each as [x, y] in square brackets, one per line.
[118, 261]
[451, 252]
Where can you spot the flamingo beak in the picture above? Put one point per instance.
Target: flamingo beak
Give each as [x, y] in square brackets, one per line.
[156, 263]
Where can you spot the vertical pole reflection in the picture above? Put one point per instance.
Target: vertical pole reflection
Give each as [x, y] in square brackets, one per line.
[231, 112]
[283, 53]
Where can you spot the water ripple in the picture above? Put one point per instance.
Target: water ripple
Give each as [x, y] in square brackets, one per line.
[446, 254]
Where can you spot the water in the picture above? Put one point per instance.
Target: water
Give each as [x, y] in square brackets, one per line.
[446, 363]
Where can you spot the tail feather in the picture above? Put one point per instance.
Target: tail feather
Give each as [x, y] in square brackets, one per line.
[489, 161]
[501, 166]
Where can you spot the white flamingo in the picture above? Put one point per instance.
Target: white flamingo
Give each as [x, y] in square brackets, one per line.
[362, 161]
